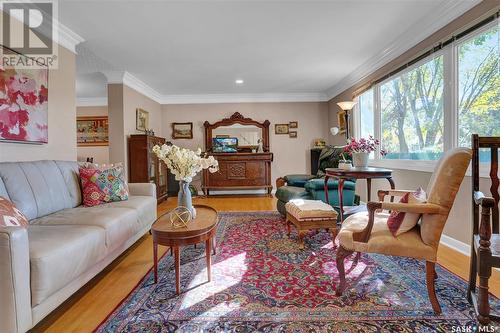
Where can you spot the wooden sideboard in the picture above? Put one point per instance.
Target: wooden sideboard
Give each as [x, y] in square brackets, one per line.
[144, 166]
[243, 170]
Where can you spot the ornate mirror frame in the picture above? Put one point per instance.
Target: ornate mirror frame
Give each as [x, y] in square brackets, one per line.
[236, 118]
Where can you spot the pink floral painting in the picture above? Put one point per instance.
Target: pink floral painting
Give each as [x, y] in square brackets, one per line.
[24, 105]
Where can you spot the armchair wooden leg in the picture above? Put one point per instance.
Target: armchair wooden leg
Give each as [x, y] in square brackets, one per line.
[341, 255]
[472, 274]
[430, 269]
[483, 305]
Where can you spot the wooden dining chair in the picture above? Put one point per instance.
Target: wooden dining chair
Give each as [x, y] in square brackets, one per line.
[485, 246]
[369, 233]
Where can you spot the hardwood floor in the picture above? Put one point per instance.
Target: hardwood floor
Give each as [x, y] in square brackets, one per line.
[89, 306]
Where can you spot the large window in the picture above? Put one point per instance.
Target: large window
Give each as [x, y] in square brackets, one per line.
[479, 86]
[412, 113]
[366, 113]
[437, 103]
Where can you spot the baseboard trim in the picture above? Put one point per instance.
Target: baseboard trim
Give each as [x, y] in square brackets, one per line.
[456, 245]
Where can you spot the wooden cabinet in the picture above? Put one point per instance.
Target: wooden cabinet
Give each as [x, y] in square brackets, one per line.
[144, 166]
[242, 170]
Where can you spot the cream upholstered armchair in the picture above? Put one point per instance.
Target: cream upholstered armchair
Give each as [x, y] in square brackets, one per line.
[368, 232]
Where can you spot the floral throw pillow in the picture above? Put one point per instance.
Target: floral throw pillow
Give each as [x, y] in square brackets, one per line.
[401, 222]
[103, 184]
[10, 216]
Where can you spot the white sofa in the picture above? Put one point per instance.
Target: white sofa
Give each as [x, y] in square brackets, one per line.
[66, 244]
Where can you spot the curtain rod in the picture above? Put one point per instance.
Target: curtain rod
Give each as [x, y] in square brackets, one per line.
[432, 50]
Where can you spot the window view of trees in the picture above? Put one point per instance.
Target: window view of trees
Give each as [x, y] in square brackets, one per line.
[366, 111]
[411, 103]
[479, 86]
[412, 113]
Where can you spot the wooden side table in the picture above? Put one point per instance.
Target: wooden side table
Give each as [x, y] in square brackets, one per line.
[367, 173]
[200, 229]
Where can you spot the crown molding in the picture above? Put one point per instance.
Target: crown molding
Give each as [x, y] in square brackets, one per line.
[447, 12]
[92, 101]
[68, 38]
[125, 78]
[215, 98]
[243, 98]
[141, 87]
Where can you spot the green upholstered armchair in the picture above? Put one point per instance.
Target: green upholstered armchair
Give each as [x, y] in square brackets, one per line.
[311, 187]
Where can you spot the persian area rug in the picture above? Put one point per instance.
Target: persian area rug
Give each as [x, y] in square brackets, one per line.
[262, 281]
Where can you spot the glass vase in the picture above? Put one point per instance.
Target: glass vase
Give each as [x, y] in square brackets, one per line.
[184, 197]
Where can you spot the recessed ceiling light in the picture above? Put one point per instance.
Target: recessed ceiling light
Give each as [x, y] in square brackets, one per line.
[239, 81]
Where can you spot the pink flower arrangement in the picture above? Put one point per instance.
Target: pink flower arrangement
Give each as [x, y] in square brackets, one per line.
[363, 146]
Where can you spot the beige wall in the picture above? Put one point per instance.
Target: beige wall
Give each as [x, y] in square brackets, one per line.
[99, 153]
[61, 118]
[122, 104]
[459, 223]
[117, 141]
[290, 155]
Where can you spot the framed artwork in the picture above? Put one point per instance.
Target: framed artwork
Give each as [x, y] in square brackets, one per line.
[24, 108]
[92, 131]
[141, 120]
[281, 129]
[341, 121]
[294, 124]
[293, 134]
[182, 130]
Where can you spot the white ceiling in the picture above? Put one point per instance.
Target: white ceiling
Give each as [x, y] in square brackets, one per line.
[201, 47]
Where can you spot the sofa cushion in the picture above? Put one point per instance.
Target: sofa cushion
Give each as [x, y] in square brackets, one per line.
[408, 244]
[145, 206]
[102, 185]
[10, 215]
[59, 254]
[40, 188]
[318, 184]
[297, 180]
[287, 193]
[119, 222]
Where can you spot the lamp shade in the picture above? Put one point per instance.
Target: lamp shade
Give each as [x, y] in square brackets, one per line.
[346, 106]
[334, 131]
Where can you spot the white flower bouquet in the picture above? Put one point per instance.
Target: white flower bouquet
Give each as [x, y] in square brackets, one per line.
[185, 163]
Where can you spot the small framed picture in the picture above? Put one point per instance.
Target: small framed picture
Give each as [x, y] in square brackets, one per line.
[294, 124]
[293, 134]
[281, 128]
[141, 120]
[182, 130]
[92, 131]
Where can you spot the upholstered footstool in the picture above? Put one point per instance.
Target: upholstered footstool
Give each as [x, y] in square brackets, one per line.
[308, 215]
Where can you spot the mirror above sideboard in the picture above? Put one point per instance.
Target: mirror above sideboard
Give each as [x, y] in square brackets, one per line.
[247, 131]
[247, 135]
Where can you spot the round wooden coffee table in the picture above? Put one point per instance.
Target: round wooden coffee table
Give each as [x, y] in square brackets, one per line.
[200, 229]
